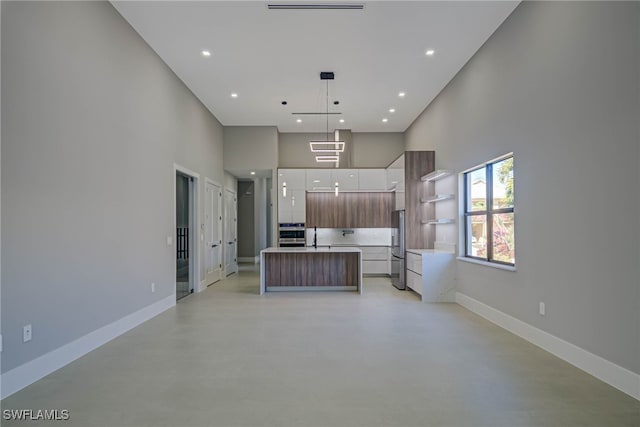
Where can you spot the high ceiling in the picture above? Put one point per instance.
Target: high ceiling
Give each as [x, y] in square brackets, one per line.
[269, 56]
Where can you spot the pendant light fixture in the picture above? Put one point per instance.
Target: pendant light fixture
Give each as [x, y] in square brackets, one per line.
[329, 150]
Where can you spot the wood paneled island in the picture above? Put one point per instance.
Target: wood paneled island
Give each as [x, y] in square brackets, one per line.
[311, 269]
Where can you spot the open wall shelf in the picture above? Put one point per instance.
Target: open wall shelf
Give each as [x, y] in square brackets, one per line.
[435, 175]
[437, 198]
[439, 221]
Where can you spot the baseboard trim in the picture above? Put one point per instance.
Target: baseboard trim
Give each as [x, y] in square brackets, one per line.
[30, 372]
[614, 375]
[251, 259]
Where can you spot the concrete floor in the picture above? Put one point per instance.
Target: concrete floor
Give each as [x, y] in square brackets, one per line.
[228, 357]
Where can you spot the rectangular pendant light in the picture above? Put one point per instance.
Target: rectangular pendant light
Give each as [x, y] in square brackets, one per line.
[327, 146]
[325, 158]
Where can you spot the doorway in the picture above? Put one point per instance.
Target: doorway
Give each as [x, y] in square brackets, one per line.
[185, 241]
[213, 232]
[230, 232]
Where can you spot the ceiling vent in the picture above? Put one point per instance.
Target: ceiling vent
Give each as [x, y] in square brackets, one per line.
[315, 6]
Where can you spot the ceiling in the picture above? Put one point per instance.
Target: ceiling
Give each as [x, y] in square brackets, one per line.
[269, 56]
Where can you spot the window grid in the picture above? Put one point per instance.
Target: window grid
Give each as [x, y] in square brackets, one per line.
[488, 212]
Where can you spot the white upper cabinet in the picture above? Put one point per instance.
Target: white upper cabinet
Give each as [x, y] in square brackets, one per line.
[298, 203]
[372, 179]
[319, 180]
[347, 178]
[395, 179]
[325, 179]
[295, 179]
[291, 203]
[395, 175]
[285, 209]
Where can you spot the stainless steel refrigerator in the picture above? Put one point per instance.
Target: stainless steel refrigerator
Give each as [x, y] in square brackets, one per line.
[398, 250]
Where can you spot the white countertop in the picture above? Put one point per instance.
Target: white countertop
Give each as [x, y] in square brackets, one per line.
[336, 249]
[429, 251]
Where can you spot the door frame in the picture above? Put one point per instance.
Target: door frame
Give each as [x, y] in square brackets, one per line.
[208, 180]
[194, 243]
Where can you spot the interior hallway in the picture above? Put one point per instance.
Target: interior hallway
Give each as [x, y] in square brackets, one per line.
[228, 357]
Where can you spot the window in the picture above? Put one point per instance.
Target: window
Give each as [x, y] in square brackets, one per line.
[489, 212]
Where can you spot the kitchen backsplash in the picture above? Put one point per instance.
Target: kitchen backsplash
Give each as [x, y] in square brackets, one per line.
[350, 236]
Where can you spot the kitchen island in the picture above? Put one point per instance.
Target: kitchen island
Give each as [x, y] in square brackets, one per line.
[311, 269]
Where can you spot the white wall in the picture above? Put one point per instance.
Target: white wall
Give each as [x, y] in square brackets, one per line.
[93, 122]
[557, 84]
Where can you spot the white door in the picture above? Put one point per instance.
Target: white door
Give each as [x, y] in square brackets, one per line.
[231, 238]
[213, 232]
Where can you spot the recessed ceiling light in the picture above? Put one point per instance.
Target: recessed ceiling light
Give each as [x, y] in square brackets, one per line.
[430, 52]
[385, 120]
[315, 181]
[234, 95]
[252, 173]
[392, 110]
[401, 94]
[206, 53]
[341, 120]
[299, 120]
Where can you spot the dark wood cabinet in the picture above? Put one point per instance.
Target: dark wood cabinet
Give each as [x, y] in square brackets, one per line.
[315, 269]
[417, 164]
[349, 210]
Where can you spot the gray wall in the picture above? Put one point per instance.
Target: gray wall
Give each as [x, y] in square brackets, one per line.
[557, 84]
[369, 150]
[246, 219]
[95, 124]
[254, 148]
[230, 182]
[250, 147]
[0, 186]
[375, 150]
[260, 214]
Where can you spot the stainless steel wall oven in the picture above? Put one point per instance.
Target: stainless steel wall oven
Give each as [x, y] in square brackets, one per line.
[291, 235]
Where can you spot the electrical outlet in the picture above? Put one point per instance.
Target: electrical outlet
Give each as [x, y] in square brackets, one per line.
[153, 287]
[542, 309]
[26, 333]
[169, 240]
